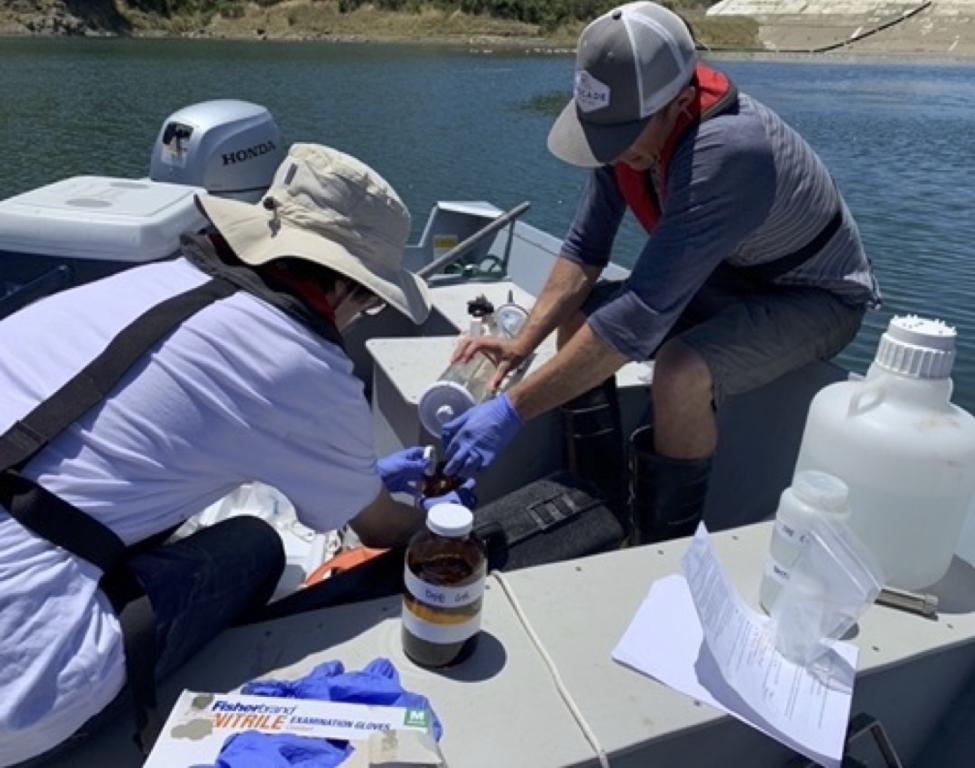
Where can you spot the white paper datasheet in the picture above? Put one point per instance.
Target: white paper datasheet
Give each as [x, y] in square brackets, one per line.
[713, 647]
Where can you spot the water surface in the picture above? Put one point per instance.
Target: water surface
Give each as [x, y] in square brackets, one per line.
[444, 123]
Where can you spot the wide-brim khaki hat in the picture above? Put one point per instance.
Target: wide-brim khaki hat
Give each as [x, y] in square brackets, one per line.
[329, 208]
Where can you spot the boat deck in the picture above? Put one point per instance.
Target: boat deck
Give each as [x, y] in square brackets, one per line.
[502, 707]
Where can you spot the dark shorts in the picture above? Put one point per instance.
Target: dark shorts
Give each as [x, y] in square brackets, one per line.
[750, 335]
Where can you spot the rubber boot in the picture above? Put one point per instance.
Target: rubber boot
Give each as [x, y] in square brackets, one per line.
[594, 449]
[666, 495]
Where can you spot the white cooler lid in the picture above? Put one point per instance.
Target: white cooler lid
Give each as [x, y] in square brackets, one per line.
[100, 218]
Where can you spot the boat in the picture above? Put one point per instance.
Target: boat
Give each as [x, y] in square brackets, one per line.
[547, 630]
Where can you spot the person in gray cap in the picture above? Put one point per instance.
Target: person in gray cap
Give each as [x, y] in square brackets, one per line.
[133, 402]
[752, 267]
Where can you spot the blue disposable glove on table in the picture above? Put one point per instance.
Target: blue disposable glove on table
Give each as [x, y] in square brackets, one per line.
[377, 684]
[400, 471]
[252, 749]
[464, 495]
[473, 439]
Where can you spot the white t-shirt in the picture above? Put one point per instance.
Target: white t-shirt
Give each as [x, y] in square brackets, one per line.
[239, 392]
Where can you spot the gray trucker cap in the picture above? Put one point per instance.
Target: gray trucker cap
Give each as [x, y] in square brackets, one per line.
[630, 62]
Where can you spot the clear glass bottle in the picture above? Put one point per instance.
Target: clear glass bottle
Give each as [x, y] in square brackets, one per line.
[459, 388]
[443, 588]
[439, 484]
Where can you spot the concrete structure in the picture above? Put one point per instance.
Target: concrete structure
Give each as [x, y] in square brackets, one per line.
[874, 8]
[873, 27]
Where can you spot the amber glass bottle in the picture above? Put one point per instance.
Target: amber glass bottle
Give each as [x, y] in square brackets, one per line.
[438, 484]
[444, 588]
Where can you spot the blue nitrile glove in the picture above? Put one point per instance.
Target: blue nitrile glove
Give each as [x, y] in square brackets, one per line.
[464, 495]
[378, 683]
[252, 749]
[473, 439]
[399, 471]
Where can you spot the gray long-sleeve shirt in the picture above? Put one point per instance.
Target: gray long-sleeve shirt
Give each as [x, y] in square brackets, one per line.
[743, 189]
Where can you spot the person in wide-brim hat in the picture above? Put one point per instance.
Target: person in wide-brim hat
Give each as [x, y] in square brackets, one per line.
[330, 209]
[153, 393]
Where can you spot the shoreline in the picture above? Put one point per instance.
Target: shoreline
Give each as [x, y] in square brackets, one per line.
[303, 21]
[497, 44]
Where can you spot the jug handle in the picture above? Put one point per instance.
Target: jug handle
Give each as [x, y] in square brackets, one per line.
[857, 404]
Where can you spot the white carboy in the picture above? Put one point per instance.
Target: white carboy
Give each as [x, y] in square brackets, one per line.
[905, 452]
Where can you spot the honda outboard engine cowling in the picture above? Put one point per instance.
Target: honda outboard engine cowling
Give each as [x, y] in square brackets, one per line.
[230, 148]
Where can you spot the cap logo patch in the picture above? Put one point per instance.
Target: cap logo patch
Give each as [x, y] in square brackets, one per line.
[590, 94]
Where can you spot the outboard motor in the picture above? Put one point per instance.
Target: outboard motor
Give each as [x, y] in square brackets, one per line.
[86, 227]
[230, 148]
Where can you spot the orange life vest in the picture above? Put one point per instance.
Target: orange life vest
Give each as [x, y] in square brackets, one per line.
[715, 92]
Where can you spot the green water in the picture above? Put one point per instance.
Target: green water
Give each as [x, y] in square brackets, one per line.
[450, 124]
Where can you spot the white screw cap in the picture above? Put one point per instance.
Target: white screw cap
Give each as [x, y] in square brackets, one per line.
[917, 347]
[451, 520]
[820, 489]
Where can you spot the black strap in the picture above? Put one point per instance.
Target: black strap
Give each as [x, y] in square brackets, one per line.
[64, 525]
[137, 620]
[59, 522]
[771, 270]
[93, 383]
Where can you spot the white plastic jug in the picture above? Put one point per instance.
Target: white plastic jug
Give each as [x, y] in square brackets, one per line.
[906, 453]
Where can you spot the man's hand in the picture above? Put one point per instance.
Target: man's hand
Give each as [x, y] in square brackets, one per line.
[473, 439]
[506, 354]
[400, 471]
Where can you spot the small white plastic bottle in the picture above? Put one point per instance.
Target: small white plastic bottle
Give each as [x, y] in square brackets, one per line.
[906, 453]
[812, 495]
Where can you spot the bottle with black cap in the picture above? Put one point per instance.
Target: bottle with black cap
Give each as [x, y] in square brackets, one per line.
[443, 588]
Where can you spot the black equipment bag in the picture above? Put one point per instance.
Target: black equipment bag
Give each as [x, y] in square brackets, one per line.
[559, 517]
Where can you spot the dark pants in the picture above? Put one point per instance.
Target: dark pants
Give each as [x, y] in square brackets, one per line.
[199, 586]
